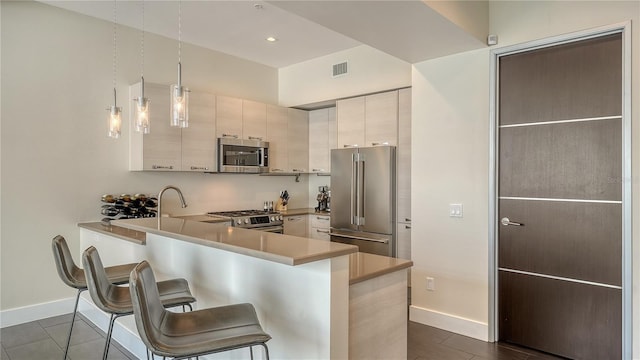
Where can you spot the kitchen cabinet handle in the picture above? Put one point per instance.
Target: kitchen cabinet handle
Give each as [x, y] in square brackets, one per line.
[322, 218]
[230, 135]
[298, 170]
[199, 168]
[505, 221]
[350, 145]
[255, 138]
[294, 218]
[318, 170]
[159, 167]
[407, 226]
[380, 143]
[407, 219]
[322, 231]
[276, 170]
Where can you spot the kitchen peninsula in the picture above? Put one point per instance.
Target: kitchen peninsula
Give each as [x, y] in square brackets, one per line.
[317, 299]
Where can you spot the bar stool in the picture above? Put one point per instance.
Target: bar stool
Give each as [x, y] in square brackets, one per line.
[74, 276]
[116, 300]
[200, 332]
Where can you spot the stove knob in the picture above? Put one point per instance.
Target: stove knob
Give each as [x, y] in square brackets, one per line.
[280, 217]
[246, 221]
[273, 218]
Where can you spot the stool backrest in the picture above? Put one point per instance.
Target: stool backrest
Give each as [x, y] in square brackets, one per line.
[97, 280]
[147, 307]
[67, 269]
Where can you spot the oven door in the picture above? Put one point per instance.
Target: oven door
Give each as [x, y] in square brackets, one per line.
[273, 229]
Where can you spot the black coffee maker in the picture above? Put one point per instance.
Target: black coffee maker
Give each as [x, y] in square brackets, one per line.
[324, 198]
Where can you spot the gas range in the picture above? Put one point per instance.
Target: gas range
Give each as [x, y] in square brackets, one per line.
[253, 219]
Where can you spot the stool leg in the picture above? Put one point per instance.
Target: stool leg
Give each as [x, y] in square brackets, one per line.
[251, 351]
[108, 341]
[266, 350]
[73, 319]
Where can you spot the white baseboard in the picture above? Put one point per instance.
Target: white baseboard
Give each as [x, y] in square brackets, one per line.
[448, 322]
[29, 313]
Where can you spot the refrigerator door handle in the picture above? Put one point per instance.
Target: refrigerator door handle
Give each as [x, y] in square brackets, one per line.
[353, 220]
[361, 205]
[358, 238]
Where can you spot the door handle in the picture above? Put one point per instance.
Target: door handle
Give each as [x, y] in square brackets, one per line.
[505, 221]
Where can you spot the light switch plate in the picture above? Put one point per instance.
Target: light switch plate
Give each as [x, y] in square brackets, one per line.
[455, 210]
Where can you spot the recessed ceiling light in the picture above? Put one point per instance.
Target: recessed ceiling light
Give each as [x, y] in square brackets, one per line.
[271, 39]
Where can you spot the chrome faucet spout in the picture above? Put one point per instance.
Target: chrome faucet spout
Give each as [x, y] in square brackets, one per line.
[184, 204]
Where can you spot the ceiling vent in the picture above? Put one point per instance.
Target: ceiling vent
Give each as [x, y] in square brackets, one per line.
[340, 69]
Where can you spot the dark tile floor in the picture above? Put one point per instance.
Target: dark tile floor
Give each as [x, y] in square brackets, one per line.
[429, 343]
[45, 339]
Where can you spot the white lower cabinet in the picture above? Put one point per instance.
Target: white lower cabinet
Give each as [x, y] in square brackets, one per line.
[295, 225]
[319, 227]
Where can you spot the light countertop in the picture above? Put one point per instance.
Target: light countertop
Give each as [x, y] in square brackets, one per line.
[285, 249]
[290, 250]
[365, 266]
[134, 236]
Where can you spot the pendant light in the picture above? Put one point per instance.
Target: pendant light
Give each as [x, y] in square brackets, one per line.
[179, 94]
[141, 108]
[115, 112]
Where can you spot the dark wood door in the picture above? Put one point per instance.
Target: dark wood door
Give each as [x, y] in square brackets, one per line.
[560, 168]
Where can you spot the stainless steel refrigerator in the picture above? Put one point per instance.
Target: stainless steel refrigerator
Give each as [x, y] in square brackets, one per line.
[363, 204]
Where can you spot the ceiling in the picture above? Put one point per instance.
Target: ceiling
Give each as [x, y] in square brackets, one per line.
[410, 30]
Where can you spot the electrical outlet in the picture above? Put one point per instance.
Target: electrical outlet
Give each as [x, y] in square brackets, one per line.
[431, 284]
[455, 210]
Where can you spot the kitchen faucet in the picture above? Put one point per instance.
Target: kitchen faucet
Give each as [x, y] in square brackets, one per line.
[184, 204]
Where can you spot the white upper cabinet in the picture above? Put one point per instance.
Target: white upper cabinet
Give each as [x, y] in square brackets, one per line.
[228, 117]
[369, 120]
[199, 139]
[298, 139]
[277, 132]
[333, 131]
[350, 114]
[403, 153]
[254, 120]
[168, 148]
[319, 133]
[381, 119]
[161, 149]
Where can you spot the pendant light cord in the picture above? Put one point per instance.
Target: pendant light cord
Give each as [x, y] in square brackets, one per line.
[142, 44]
[180, 31]
[114, 45]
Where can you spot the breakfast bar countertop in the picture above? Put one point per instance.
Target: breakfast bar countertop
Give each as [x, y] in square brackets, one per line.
[134, 236]
[285, 249]
[365, 266]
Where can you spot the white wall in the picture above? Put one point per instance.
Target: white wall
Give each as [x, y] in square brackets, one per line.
[56, 158]
[370, 70]
[450, 130]
[451, 158]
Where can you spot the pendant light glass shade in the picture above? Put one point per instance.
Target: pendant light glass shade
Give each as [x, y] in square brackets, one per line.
[179, 103]
[115, 118]
[179, 95]
[141, 112]
[141, 107]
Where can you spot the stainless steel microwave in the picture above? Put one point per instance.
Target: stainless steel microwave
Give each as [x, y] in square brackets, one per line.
[242, 156]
